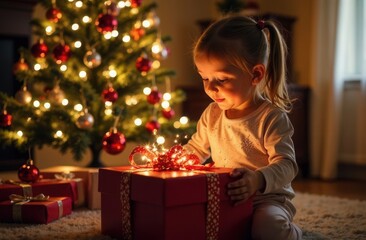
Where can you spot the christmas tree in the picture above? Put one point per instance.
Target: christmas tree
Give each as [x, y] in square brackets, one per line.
[94, 79]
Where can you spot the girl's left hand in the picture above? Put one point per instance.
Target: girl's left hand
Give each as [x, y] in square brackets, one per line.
[247, 183]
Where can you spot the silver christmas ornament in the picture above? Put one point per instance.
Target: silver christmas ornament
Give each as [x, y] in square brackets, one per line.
[85, 121]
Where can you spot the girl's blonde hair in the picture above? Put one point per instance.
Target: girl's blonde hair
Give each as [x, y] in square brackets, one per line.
[244, 43]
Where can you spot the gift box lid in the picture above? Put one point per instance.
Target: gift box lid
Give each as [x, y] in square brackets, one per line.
[167, 188]
[52, 187]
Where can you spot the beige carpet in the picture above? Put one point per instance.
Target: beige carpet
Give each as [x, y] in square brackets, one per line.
[320, 217]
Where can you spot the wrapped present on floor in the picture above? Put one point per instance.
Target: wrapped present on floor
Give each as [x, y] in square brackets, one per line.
[40, 209]
[88, 175]
[148, 204]
[50, 187]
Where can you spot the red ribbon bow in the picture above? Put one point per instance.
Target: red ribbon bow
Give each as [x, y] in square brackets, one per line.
[176, 158]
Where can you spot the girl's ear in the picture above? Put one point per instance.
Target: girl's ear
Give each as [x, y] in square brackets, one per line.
[258, 72]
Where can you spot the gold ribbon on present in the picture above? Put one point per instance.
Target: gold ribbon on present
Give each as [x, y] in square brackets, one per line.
[15, 198]
[27, 188]
[19, 200]
[64, 176]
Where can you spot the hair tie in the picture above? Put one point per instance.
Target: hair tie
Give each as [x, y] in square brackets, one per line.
[260, 25]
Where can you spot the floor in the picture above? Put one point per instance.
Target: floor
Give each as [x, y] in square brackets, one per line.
[354, 189]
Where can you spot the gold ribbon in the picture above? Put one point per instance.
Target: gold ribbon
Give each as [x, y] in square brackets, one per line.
[27, 188]
[19, 200]
[15, 198]
[64, 176]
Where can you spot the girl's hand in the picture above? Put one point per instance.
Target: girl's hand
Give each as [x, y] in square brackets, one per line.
[247, 183]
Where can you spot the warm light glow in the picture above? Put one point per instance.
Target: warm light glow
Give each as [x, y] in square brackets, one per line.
[65, 102]
[155, 64]
[47, 105]
[108, 112]
[77, 44]
[177, 124]
[36, 103]
[75, 26]
[108, 104]
[167, 96]
[58, 134]
[131, 100]
[78, 107]
[86, 19]
[115, 33]
[126, 38]
[121, 4]
[184, 120]
[160, 140]
[157, 46]
[79, 4]
[112, 73]
[63, 67]
[146, 23]
[37, 67]
[82, 74]
[20, 133]
[147, 90]
[138, 121]
[108, 35]
[133, 10]
[49, 30]
[165, 104]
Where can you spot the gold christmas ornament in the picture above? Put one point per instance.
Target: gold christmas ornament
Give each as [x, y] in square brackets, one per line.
[92, 59]
[23, 96]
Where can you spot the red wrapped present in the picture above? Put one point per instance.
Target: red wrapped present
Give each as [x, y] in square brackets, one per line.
[53, 188]
[35, 210]
[88, 175]
[147, 204]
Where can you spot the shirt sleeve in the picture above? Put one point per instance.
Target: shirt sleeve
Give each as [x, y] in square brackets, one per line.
[199, 142]
[282, 167]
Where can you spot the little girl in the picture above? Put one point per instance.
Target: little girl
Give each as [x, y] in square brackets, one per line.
[242, 65]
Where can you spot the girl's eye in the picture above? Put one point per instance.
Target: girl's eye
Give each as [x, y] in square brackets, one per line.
[222, 80]
[204, 79]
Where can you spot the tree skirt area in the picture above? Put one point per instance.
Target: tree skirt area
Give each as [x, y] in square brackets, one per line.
[320, 217]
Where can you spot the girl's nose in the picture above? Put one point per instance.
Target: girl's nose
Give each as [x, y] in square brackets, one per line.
[211, 86]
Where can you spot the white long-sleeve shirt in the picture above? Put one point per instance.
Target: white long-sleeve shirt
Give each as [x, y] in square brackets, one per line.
[259, 141]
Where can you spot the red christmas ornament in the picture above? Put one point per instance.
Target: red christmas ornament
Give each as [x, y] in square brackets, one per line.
[136, 3]
[154, 96]
[5, 119]
[106, 23]
[20, 66]
[61, 53]
[39, 49]
[28, 172]
[53, 14]
[143, 64]
[114, 142]
[168, 113]
[152, 125]
[110, 95]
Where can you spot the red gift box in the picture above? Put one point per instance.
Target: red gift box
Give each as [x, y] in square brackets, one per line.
[170, 205]
[89, 177]
[35, 211]
[52, 188]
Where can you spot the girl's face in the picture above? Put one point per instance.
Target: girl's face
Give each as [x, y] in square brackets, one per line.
[231, 88]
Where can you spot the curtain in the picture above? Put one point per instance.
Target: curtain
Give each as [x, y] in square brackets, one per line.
[326, 91]
[339, 57]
